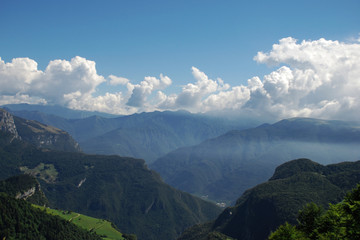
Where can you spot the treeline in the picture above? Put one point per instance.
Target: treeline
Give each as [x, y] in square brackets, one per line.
[340, 221]
[19, 220]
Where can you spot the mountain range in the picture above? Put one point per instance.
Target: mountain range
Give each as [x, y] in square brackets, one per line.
[146, 135]
[125, 191]
[263, 208]
[222, 168]
[120, 189]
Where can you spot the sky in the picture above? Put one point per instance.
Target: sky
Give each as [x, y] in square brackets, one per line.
[257, 58]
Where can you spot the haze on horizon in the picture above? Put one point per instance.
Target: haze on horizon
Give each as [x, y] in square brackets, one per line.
[300, 77]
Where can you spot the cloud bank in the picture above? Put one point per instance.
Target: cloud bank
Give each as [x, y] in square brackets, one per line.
[319, 78]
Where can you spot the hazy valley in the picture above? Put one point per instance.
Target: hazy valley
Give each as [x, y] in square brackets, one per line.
[217, 159]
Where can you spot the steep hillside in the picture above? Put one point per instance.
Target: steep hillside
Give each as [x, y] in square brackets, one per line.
[101, 227]
[339, 221]
[24, 187]
[146, 135]
[27, 188]
[223, 167]
[19, 220]
[263, 208]
[38, 134]
[122, 190]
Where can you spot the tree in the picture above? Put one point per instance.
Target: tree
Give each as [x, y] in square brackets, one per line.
[286, 232]
[340, 221]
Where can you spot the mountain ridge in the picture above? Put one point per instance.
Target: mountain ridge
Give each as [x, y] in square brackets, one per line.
[141, 135]
[38, 134]
[120, 189]
[263, 208]
[225, 166]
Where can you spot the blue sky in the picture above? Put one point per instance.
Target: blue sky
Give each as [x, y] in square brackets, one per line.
[135, 39]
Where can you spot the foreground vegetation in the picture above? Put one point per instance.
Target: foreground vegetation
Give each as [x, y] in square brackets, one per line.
[101, 227]
[340, 221]
[19, 220]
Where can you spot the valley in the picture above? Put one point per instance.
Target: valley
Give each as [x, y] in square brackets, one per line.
[179, 120]
[225, 165]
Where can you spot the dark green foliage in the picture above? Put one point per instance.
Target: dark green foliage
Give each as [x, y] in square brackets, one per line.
[19, 220]
[287, 232]
[309, 219]
[122, 190]
[203, 232]
[340, 221]
[263, 208]
[130, 236]
[18, 185]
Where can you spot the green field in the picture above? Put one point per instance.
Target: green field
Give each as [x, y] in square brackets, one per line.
[46, 172]
[102, 227]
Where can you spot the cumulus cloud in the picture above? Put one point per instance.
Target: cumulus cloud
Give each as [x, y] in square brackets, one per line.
[321, 78]
[17, 76]
[318, 78]
[313, 78]
[140, 92]
[114, 80]
[193, 95]
[60, 78]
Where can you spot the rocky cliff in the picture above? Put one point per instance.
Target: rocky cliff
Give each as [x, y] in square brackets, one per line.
[7, 124]
[40, 135]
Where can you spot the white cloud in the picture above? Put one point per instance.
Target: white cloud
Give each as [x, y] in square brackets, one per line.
[193, 95]
[60, 78]
[140, 92]
[318, 78]
[21, 98]
[17, 75]
[114, 80]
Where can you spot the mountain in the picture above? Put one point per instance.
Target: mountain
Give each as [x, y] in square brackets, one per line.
[151, 135]
[38, 134]
[339, 221]
[223, 168]
[263, 208]
[26, 187]
[120, 189]
[146, 135]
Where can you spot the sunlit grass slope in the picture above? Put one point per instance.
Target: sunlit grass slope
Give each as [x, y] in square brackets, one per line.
[102, 227]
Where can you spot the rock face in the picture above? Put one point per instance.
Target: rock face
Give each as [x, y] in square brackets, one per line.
[40, 135]
[26, 194]
[7, 124]
[44, 136]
